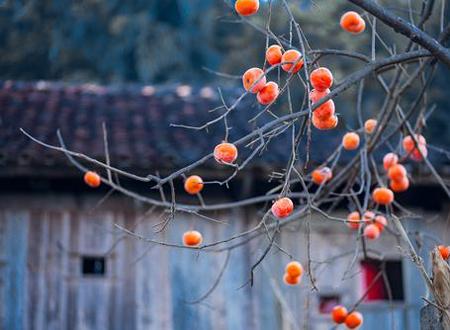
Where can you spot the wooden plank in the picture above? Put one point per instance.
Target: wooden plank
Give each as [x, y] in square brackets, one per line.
[56, 270]
[265, 305]
[153, 283]
[34, 307]
[294, 315]
[236, 302]
[123, 303]
[381, 316]
[41, 247]
[73, 271]
[3, 273]
[15, 284]
[64, 269]
[414, 284]
[188, 272]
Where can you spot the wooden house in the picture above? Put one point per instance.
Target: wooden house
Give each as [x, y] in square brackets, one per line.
[65, 265]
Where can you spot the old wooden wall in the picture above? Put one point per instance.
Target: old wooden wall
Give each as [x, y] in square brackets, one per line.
[149, 286]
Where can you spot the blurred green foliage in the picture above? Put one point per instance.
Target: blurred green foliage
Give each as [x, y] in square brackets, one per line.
[110, 40]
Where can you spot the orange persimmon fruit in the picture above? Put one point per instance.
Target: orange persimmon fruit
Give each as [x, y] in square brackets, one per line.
[193, 184]
[246, 7]
[350, 141]
[321, 175]
[92, 179]
[254, 80]
[372, 231]
[354, 320]
[389, 160]
[397, 172]
[417, 155]
[291, 280]
[408, 142]
[268, 93]
[315, 95]
[444, 251]
[225, 153]
[283, 207]
[321, 79]
[383, 196]
[325, 111]
[192, 238]
[339, 314]
[353, 22]
[368, 216]
[294, 269]
[289, 59]
[326, 124]
[399, 185]
[370, 125]
[354, 220]
[274, 54]
[381, 222]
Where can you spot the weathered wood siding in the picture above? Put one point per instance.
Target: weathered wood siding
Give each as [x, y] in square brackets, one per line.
[149, 286]
[13, 261]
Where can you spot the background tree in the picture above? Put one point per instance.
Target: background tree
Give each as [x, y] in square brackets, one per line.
[116, 42]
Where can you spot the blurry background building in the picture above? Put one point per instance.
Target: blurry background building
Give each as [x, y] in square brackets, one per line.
[64, 265]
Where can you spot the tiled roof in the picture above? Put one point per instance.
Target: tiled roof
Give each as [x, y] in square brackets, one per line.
[138, 121]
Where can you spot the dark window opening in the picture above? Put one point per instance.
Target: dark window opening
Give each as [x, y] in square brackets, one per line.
[93, 265]
[379, 288]
[327, 302]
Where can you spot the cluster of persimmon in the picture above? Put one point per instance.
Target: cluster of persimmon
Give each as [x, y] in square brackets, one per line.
[352, 320]
[291, 61]
[396, 172]
[417, 152]
[224, 153]
[254, 79]
[444, 251]
[373, 223]
[293, 273]
[324, 117]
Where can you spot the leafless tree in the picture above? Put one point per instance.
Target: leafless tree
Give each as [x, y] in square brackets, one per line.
[396, 74]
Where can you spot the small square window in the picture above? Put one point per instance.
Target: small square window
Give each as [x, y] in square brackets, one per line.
[93, 265]
[378, 287]
[327, 302]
